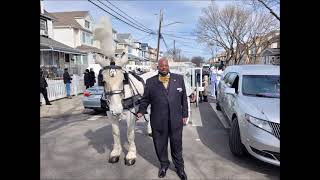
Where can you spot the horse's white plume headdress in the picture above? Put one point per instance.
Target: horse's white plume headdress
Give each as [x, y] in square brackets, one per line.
[103, 33]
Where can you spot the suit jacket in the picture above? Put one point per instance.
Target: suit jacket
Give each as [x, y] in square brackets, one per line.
[165, 103]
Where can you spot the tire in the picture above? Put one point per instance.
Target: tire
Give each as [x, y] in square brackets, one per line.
[235, 144]
[98, 110]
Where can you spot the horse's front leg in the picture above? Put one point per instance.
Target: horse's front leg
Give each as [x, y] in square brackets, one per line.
[132, 152]
[117, 149]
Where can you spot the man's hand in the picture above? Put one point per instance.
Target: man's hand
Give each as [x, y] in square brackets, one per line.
[139, 115]
[184, 120]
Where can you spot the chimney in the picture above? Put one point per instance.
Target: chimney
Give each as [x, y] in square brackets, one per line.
[41, 7]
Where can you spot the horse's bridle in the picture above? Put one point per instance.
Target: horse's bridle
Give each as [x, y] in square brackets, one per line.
[110, 93]
[113, 67]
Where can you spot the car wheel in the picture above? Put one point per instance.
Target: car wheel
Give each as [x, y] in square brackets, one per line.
[235, 144]
[98, 110]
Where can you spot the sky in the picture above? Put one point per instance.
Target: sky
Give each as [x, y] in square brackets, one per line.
[146, 12]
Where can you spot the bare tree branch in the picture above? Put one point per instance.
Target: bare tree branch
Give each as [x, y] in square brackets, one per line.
[235, 28]
[271, 11]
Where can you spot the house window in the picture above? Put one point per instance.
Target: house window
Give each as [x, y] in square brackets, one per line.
[87, 24]
[86, 38]
[130, 50]
[83, 37]
[43, 27]
[66, 57]
[85, 59]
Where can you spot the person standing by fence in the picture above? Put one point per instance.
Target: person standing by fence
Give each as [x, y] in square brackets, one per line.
[92, 77]
[100, 78]
[43, 88]
[87, 78]
[67, 81]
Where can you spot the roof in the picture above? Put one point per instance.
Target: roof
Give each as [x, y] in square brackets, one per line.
[79, 14]
[86, 48]
[48, 15]
[50, 44]
[123, 35]
[68, 18]
[122, 41]
[144, 44]
[271, 52]
[133, 57]
[254, 69]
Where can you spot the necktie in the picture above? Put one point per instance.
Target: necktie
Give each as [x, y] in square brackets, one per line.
[164, 80]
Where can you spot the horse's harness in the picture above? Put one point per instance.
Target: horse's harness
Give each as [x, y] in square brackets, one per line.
[127, 103]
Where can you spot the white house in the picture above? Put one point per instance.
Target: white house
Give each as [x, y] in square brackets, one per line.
[54, 55]
[152, 53]
[75, 29]
[126, 44]
[145, 51]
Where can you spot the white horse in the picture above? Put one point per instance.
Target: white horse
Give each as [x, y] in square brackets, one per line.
[120, 89]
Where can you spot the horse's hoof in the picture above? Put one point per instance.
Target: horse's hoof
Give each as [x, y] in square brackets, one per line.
[114, 159]
[129, 162]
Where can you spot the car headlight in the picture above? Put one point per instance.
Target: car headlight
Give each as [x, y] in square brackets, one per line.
[259, 123]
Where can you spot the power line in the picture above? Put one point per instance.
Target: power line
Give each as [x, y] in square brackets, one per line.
[119, 18]
[188, 34]
[143, 37]
[177, 40]
[128, 15]
[125, 17]
[183, 43]
[172, 35]
[147, 38]
[165, 43]
[187, 46]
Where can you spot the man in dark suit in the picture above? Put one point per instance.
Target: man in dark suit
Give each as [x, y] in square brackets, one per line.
[169, 112]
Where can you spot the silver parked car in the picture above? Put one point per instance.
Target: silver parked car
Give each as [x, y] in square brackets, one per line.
[92, 99]
[249, 95]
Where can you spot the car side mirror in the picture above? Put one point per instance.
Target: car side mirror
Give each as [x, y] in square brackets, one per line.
[231, 91]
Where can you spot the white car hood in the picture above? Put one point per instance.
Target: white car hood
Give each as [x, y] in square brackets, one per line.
[263, 108]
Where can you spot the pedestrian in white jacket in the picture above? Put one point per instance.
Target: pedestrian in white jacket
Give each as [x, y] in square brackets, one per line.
[213, 75]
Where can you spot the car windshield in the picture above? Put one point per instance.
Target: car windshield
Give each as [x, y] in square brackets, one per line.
[261, 86]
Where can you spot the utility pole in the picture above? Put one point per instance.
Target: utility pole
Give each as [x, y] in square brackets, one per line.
[174, 50]
[159, 31]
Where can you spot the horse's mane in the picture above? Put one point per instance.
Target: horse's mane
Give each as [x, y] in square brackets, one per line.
[134, 87]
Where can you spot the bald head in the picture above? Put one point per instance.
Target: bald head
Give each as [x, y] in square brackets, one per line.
[163, 66]
[162, 59]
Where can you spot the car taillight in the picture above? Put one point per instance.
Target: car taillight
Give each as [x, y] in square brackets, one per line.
[86, 94]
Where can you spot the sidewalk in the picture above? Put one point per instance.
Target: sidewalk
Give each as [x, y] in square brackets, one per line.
[62, 106]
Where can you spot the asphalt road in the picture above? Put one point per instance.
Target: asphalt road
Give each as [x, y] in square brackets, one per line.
[75, 144]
